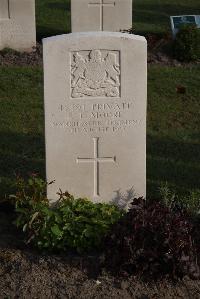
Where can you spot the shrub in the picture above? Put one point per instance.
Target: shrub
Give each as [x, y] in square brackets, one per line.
[187, 43]
[189, 202]
[71, 224]
[152, 241]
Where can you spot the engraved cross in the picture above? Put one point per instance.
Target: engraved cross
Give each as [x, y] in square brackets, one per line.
[96, 160]
[101, 4]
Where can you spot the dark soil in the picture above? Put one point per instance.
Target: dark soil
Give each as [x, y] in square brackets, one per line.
[9, 57]
[27, 273]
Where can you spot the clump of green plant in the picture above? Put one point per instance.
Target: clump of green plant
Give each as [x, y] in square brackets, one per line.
[71, 223]
[189, 202]
[187, 43]
[168, 197]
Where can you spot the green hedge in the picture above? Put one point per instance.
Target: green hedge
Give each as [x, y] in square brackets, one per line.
[187, 43]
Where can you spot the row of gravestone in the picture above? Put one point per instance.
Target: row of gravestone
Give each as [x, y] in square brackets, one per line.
[17, 19]
[95, 110]
[17, 24]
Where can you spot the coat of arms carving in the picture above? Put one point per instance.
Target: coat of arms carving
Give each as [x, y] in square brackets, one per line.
[95, 73]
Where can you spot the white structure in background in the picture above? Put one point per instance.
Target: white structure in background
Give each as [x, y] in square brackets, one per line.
[17, 24]
[101, 15]
[177, 21]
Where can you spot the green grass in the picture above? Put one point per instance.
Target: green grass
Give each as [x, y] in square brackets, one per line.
[149, 16]
[52, 17]
[173, 139]
[21, 127]
[152, 16]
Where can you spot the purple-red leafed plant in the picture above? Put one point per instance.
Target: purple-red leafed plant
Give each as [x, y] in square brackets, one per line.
[153, 241]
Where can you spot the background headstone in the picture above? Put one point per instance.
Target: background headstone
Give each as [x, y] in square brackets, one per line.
[4, 9]
[17, 24]
[95, 114]
[177, 21]
[101, 15]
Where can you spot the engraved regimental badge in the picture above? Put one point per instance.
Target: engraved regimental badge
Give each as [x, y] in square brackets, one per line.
[95, 73]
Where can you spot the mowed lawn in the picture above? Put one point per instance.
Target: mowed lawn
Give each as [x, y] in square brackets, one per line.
[173, 140]
[149, 16]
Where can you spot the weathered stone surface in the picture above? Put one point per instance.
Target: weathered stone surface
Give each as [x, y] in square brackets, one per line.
[101, 15]
[17, 24]
[4, 10]
[95, 115]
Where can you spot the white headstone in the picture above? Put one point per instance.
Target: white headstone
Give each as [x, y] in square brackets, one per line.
[95, 114]
[101, 15]
[4, 10]
[17, 24]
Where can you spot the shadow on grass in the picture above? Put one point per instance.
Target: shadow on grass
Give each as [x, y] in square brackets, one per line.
[172, 162]
[45, 31]
[167, 9]
[150, 17]
[53, 18]
[60, 5]
[19, 154]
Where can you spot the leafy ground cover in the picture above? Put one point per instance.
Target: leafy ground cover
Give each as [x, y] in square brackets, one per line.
[72, 223]
[155, 241]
